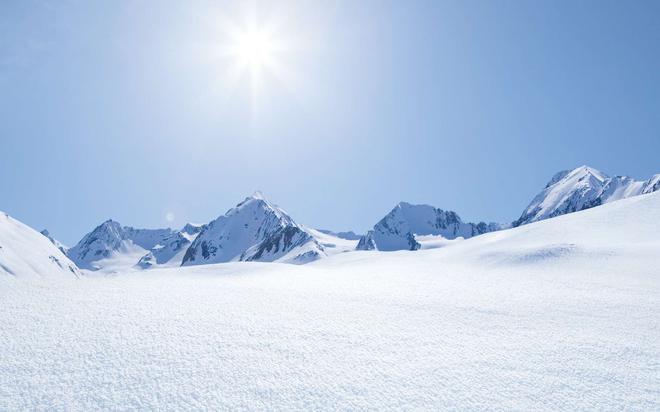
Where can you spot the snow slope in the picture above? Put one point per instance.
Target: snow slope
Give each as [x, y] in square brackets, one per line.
[582, 188]
[332, 242]
[26, 253]
[400, 229]
[55, 242]
[562, 314]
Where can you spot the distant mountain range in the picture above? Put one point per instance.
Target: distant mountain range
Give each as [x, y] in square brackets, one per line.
[257, 230]
[254, 230]
[110, 242]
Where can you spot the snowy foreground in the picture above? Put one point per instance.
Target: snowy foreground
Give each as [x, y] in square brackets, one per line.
[562, 314]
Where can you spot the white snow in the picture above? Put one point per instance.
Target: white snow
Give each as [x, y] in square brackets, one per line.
[562, 314]
[63, 248]
[254, 230]
[331, 243]
[582, 188]
[435, 241]
[401, 227]
[26, 253]
[111, 247]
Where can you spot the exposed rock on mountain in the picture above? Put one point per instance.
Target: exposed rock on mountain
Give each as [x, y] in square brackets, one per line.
[398, 230]
[254, 230]
[582, 188]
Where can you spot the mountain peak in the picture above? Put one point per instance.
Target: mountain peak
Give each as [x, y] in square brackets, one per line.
[585, 170]
[257, 195]
[255, 198]
[191, 228]
[110, 224]
[254, 230]
[578, 189]
[111, 238]
[399, 228]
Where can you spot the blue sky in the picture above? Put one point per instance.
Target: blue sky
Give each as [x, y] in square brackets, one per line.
[128, 110]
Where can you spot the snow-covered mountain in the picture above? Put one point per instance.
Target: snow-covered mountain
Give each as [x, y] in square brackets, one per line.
[24, 252]
[560, 314]
[582, 188]
[402, 228]
[171, 249]
[112, 246]
[55, 242]
[334, 242]
[254, 230]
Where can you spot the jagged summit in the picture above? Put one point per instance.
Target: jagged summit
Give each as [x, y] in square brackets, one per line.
[257, 195]
[254, 230]
[112, 240]
[581, 188]
[399, 229]
[258, 200]
[192, 228]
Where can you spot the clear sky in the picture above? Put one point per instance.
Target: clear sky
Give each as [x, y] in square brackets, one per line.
[134, 110]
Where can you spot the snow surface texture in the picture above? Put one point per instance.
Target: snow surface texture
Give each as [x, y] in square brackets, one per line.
[562, 314]
[254, 230]
[25, 252]
[582, 188]
[401, 228]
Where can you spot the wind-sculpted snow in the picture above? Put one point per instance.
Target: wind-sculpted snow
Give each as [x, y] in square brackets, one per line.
[26, 253]
[400, 228]
[582, 188]
[562, 314]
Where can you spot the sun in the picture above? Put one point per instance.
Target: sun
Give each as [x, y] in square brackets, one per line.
[254, 49]
[258, 56]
